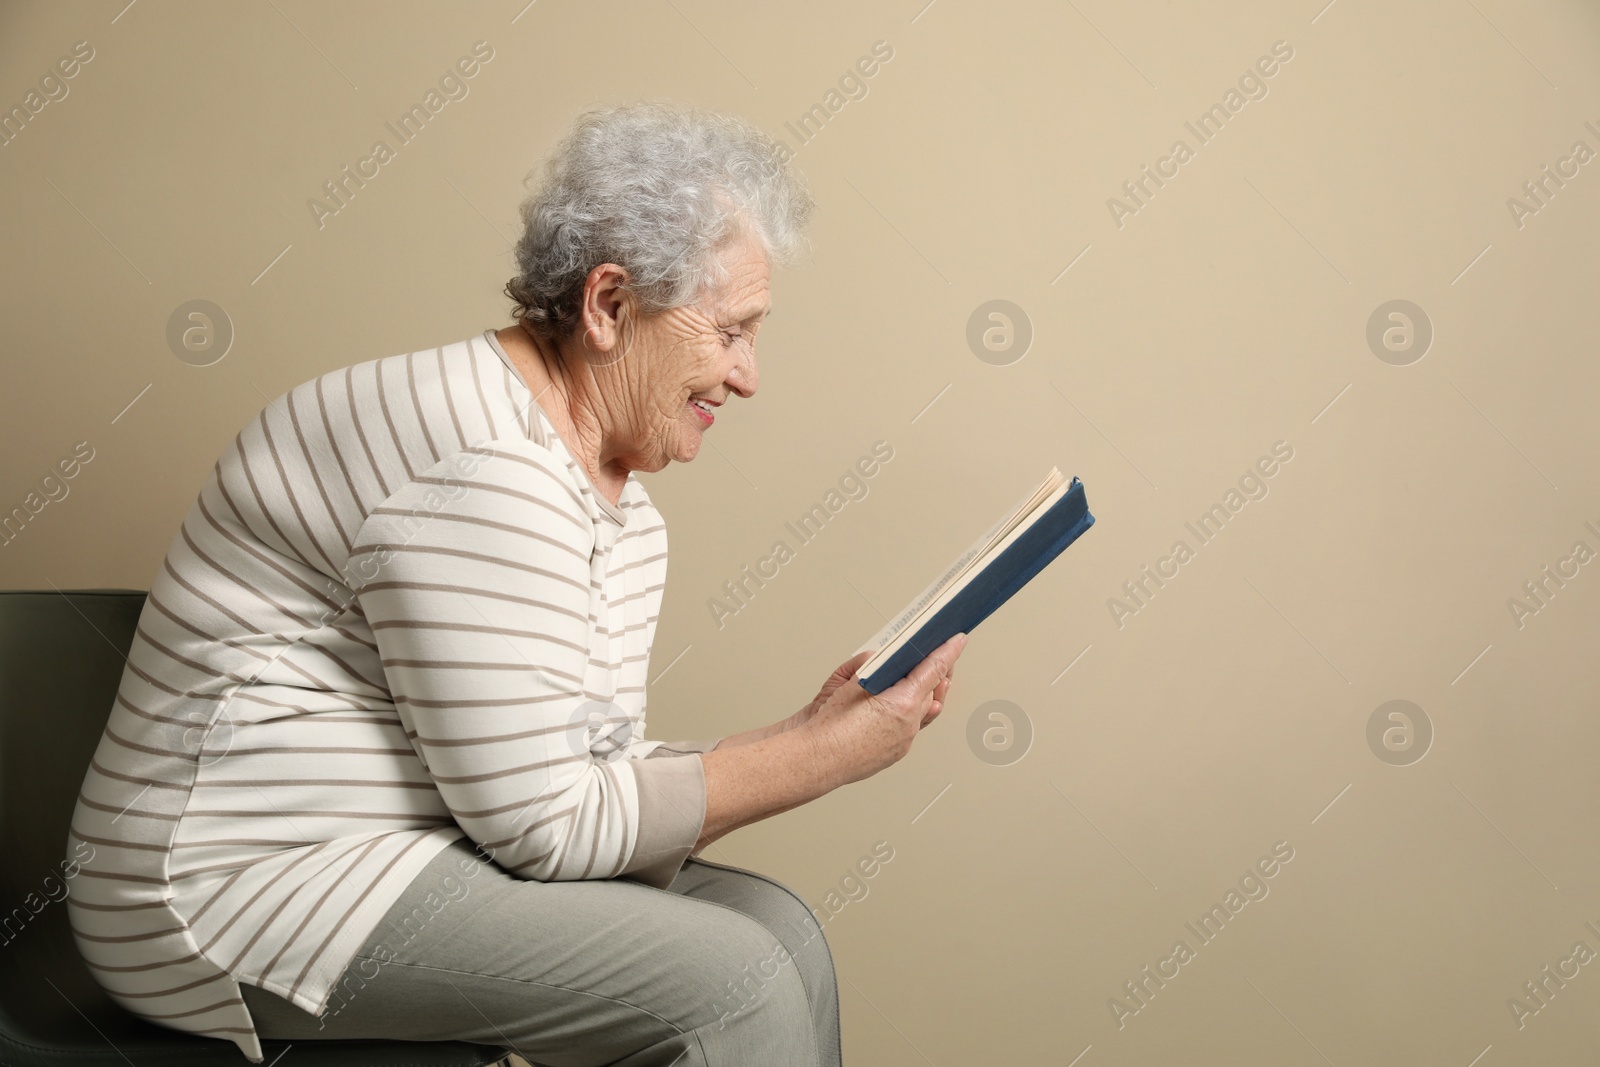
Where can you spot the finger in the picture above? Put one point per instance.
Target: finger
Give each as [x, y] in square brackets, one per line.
[918, 685]
[858, 659]
[846, 670]
[945, 656]
[937, 663]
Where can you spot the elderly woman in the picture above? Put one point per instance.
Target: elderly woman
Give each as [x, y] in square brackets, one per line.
[377, 764]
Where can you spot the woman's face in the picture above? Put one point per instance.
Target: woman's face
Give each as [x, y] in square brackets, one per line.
[705, 351]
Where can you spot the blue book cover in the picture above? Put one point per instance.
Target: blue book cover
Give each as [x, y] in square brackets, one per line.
[956, 604]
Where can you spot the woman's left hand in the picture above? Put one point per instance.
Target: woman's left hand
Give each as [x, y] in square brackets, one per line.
[841, 674]
[845, 672]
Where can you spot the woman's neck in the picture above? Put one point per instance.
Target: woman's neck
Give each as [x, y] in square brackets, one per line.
[565, 399]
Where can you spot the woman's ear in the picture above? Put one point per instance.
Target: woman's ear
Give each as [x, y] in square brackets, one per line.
[606, 316]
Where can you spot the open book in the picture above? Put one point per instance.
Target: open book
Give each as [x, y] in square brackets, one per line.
[985, 576]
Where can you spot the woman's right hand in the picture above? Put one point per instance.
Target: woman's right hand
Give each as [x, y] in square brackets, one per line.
[856, 734]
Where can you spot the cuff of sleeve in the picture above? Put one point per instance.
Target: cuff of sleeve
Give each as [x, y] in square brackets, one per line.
[682, 748]
[672, 812]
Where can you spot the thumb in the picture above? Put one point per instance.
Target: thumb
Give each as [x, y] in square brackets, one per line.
[848, 667]
[847, 670]
[922, 678]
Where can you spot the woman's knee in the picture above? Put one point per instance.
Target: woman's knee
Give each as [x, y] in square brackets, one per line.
[786, 914]
[789, 918]
[745, 978]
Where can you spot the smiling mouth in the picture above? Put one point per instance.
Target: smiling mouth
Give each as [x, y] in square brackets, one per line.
[703, 410]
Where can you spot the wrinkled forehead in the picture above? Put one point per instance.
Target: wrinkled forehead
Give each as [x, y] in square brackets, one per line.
[744, 295]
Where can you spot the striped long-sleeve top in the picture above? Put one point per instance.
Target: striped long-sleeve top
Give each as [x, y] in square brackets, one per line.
[397, 613]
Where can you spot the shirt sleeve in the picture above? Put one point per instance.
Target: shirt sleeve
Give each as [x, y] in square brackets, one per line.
[476, 580]
[647, 749]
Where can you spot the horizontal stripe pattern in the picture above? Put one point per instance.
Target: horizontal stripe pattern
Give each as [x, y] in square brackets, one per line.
[397, 611]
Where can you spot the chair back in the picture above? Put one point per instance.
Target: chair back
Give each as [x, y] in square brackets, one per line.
[61, 660]
[62, 656]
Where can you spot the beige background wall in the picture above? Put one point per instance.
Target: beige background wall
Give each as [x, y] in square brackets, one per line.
[1226, 314]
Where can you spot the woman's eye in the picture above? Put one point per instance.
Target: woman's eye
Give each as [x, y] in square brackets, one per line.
[729, 338]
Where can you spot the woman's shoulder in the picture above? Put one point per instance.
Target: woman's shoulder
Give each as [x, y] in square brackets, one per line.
[443, 397]
[450, 396]
[355, 435]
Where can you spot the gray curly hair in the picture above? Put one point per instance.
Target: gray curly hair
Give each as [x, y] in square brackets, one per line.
[657, 190]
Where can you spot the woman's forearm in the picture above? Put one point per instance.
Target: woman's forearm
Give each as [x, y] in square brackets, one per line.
[760, 733]
[843, 736]
[842, 674]
[758, 778]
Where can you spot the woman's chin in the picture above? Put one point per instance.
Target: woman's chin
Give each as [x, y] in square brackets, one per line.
[688, 444]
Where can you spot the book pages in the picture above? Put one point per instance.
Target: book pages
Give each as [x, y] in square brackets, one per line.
[954, 578]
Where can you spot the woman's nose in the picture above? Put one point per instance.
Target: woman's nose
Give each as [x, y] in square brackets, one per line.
[744, 377]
